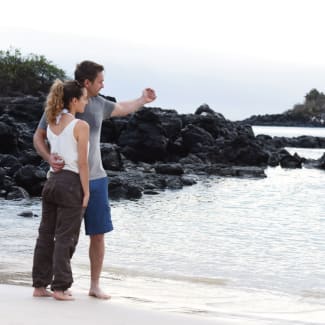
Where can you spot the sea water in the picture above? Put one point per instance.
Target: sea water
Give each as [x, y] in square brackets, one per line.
[245, 250]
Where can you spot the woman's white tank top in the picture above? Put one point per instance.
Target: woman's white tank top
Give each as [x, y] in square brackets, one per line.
[65, 145]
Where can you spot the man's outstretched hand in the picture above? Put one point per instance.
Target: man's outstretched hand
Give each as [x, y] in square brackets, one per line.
[148, 95]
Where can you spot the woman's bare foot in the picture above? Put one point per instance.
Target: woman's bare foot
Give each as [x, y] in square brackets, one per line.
[98, 293]
[41, 292]
[68, 292]
[61, 295]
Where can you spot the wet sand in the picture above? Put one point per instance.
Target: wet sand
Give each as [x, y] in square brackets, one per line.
[17, 306]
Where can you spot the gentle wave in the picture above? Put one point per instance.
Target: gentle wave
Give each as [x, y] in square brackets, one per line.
[122, 272]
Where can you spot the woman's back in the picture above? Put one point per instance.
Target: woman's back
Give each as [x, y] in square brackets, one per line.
[65, 145]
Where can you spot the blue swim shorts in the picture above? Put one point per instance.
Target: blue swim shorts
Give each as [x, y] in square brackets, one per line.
[98, 213]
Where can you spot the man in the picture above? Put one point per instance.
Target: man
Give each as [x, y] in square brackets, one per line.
[97, 215]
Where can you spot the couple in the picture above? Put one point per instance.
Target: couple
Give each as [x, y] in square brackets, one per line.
[77, 187]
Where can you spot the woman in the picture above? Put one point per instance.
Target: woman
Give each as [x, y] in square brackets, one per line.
[65, 194]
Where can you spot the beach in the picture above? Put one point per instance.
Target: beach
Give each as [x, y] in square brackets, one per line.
[224, 251]
[18, 307]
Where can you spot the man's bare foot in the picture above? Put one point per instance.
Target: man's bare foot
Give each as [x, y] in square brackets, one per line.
[98, 293]
[61, 295]
[41, 292]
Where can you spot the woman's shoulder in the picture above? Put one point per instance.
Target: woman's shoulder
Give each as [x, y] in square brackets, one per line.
[81, 129]
[81, 123]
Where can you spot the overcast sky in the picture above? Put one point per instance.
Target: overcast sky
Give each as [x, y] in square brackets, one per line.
[240, 57]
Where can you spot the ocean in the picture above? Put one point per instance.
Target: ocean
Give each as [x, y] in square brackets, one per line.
[246, 250]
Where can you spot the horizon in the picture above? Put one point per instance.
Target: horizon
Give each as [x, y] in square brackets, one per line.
[241, 59]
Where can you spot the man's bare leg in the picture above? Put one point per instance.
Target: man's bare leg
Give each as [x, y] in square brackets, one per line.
[96, 255]
[41, 292]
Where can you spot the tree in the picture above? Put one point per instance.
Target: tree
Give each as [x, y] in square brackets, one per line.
[313, 106]
[313, 95]
[32, 74]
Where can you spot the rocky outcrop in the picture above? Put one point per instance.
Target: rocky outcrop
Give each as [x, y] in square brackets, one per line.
[276, 120]
[309, 113]
[146, 152]
[285, 119]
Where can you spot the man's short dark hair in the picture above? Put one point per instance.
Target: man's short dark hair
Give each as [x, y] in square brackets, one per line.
[87, 70]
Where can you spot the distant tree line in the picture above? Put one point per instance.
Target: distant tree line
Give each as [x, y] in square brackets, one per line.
[313, 106]
[31, 74]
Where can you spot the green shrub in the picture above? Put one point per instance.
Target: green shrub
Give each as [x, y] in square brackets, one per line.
[32, 74]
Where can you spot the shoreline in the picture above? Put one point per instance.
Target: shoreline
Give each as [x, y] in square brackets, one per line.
[233, 307]
[19, 307]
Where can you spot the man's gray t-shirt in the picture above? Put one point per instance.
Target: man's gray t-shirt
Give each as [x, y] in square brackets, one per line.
[97, 110]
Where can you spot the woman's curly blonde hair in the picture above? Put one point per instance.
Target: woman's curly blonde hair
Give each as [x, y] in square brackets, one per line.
[60, 96]
[54, 101]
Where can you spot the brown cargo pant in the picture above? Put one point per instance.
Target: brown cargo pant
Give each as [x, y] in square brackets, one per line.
[59, 229]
